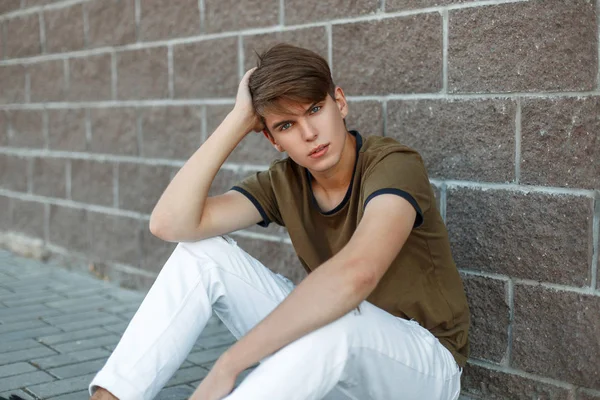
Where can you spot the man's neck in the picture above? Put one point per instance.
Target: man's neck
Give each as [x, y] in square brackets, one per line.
[339, 176]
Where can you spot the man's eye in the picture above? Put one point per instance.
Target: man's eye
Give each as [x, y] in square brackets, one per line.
[313, 109]
[283, 127]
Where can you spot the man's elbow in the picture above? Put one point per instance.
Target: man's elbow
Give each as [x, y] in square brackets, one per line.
[363, 278]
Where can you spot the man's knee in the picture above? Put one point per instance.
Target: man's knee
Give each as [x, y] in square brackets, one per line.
[213, 245]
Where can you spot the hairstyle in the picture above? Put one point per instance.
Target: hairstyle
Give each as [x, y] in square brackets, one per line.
[291, 74]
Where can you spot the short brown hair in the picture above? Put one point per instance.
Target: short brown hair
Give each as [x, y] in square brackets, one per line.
[290, 74]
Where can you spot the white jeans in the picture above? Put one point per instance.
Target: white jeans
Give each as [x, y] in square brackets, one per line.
[371, 355]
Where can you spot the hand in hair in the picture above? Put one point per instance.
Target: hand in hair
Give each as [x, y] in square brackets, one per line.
[243, 104]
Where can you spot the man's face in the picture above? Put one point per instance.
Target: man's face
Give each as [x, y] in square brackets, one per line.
[311, 126]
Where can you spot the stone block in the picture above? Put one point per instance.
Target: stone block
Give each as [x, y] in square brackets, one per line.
[66, 130]
[155, 252]
[64, 29]
[114, 238]
[49, 177]
[114, 130]
[235, 15]
[490, 314]
[47, 82]
[168, 19]
[223, 181]
[110, 22]
[171, 132]
[279, 257]
[90, 78]
[22, 380]
[403, 5]
[143, 74]
[368, 60]
[540, 45]
[555, 334]
[3, 128]
[13, 172]
[206, 69]
[12, 81]
[71, 358]
[22, 36]
[490, 384]
[141, 185]
[314, 39]
[9, 5]
[560, 145]
[100, 173]
[458, 139]
[27, 128]
[67, 228]
[301, 12]
[539, 236]
[28, 218]
[366, 117]
[15, 369]
[5, 214]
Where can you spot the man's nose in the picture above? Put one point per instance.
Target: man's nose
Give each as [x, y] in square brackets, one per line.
[309, 133]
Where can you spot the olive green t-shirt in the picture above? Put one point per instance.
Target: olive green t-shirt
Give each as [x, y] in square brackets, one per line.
[422, 283]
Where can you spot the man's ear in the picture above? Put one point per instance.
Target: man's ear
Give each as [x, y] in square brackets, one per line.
[272, 140]
[340, 100]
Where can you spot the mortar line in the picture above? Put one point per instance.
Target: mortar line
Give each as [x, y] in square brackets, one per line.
[201, 15]
[88, 128]
[139, 134]
[67, 75]
[137, 12]
[384, 108]
[68, 178]
[27, 86]
[45, 129]
[115, 185]
[30, 175]
[518, 142]
[595, 241]
[443, 201]
[114, 77]
[382, 6]
[203, 127]
[281, 12]
[276, 28]
[241, 56]
[170, 72]
[510, 299]
[86, 27]
[46, 224]
[445, 33]
[42, 32]
[598, 38]
[329, 32]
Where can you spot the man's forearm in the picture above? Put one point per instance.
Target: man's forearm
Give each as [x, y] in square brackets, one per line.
[325, 295]
[179, 208]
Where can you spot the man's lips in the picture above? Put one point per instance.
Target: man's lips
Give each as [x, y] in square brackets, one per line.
[317, 149]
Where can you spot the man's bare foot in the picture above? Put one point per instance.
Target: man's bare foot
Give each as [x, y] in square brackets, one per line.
[102, 394]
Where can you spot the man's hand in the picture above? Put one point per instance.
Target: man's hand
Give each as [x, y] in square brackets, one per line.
[217, 384]
[243, 105]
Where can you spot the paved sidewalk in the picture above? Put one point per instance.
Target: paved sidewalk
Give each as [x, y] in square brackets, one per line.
[58, 327]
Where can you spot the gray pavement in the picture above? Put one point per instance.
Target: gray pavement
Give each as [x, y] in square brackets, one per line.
[58, 327]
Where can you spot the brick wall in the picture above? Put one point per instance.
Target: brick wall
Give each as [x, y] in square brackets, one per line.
[102, 101]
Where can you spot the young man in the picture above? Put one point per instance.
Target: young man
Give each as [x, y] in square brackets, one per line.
[382, 314]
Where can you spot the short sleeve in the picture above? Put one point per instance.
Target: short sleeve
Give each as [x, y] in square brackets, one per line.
[401, 173]
[258, 189]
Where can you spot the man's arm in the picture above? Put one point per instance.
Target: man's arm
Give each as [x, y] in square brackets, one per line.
[183, 212]
[341, 283]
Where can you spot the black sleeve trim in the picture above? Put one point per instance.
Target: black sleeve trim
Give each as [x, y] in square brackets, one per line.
[266, 221]
[406, 196]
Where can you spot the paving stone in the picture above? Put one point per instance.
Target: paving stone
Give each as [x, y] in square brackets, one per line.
[17, 326]
[87, 343]
[29, 333]
[70, 336]
[19, 381]
[186, 375]
[89, 323]
[31, 315]
[83, 394]
[71, 358]
[19, 393]
[78, 369]
[16, 369]
[206, 356]
[175, 393]
[63, 386]
[19, 345]
[215, 341]
[116, 328]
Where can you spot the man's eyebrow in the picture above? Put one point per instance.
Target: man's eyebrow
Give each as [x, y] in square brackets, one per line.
[277, 124]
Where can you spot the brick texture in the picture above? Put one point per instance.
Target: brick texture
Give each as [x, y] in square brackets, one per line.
[489, 308]
[403, 5]
[64, 29]
[366, 117]
[22, 36]
[110, 22]
[231, 15]
[366, 59]
[543, 346]
[298, 12]
[12, 81]
[525, 46]
[114, 238]
[140, 186]
[68, 228]
[49, 177]
[171, 132]
[47, 82]
[90, 78]
[143, 74]
[27, 128]
[535, 236]
[491, 384]
[114, 131]
[66, 130]
[560, 142]
[458, 148]
[27, 217]
[165, 19]
[13, 172]
[9, 5]
[206, 69]
[101, 173]
[3, 128]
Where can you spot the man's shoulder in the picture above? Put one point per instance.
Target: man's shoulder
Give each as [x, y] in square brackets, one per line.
[378, 148]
